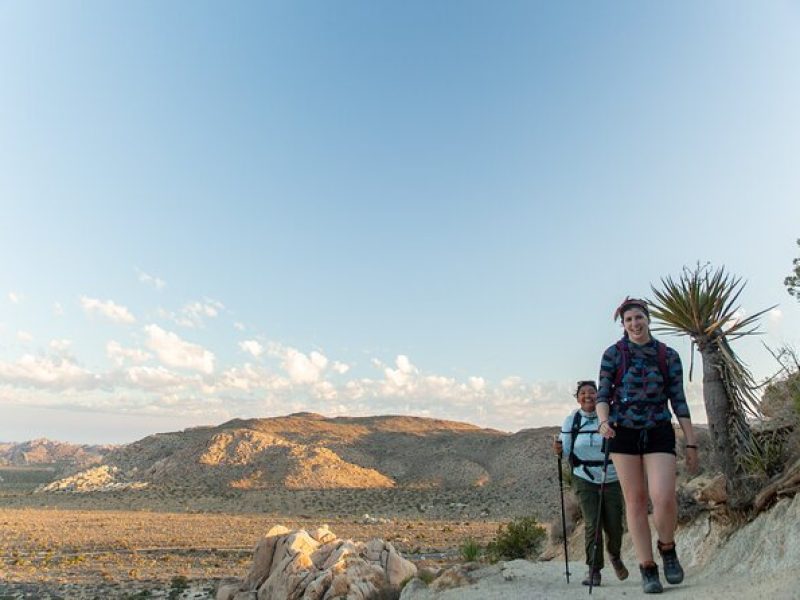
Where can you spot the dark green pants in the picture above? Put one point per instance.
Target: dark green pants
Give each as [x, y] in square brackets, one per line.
[611, 522]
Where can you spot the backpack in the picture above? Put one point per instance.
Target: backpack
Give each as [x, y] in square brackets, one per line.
[573, 458]
[661, 356]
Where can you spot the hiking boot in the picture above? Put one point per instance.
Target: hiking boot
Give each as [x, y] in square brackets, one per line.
[673, 572]
[650, 582]
[592, 578]
[619, 568]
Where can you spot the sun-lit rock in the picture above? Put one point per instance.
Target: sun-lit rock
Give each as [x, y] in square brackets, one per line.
[297, 565]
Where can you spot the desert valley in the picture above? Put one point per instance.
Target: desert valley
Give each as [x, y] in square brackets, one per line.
[185, 514]
[104, 521]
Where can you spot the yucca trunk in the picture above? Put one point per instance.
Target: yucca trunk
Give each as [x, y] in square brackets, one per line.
[727, 427]
[718, 409]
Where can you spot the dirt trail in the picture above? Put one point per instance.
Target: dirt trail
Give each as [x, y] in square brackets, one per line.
[522, 580]
[756, 561]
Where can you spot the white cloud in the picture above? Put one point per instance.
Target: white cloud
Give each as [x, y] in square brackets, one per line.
[325, 390]
[304, 368]
[404, 364]
[153, 378]
[477, 383]
[511, 382]
[15, 297]
[174, 352]
[255, 389]
[58, 310]
[147, 279]
[119, 355]
[239, 326]
[194, 314]
[59, 373]
[252, 347]
[403, 375]
[776, 314]
[340, 368]
[357, 389]
[108, 309]
[24, 336]
[249, 378]
[60, 346]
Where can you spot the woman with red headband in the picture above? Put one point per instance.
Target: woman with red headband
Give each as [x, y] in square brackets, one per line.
[639, 378]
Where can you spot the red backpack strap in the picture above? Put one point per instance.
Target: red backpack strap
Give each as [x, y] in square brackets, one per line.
[622, 348]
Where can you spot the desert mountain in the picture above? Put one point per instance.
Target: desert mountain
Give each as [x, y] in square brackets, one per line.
[48, 452]
[306, 451]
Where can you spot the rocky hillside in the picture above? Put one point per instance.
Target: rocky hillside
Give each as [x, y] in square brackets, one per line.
[309, 452]
[48, 452]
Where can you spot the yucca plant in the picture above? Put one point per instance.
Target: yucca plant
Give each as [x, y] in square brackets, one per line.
[702, 304]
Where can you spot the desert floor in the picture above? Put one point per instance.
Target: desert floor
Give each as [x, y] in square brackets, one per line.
[67, 553]
[177, 544]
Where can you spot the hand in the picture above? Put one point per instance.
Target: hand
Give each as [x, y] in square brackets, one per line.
[558, 447]
[606, 430]
[692, 460]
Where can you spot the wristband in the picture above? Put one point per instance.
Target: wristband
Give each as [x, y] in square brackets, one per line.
[692, 446]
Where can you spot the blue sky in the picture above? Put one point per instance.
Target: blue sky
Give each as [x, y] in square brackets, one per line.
[363, 208]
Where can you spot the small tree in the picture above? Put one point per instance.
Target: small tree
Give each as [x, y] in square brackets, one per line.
[701, 304]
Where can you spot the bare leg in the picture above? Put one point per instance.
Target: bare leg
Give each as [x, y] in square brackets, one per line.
[660, 468]
[630, 469]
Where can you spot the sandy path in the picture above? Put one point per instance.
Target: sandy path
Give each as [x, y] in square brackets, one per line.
[522, 580]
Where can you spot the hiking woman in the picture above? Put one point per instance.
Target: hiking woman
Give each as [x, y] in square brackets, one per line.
[581, 444]
[639, 376]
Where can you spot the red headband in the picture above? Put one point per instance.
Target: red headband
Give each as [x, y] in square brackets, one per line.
[631, 303]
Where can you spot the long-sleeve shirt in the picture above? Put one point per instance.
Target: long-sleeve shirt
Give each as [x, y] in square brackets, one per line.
[588, 446]
[640, 401]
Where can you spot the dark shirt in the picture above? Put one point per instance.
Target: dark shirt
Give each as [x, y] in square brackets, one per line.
[640, 402]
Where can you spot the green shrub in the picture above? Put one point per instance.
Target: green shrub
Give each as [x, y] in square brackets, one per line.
[426, 576]
[765, 454]
[521, 538]
[178, 585]
[470, 550]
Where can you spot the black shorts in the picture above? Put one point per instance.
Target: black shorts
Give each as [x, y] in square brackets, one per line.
[660, 438]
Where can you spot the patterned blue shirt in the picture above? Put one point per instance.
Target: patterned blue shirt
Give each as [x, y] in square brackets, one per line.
[640, 402]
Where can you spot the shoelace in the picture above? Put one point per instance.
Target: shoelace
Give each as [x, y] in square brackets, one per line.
[671, 559]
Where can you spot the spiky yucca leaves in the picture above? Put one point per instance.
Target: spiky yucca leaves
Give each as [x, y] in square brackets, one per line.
[702, 304]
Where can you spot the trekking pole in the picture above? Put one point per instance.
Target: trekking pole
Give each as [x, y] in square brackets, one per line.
[563, 519]
[599, 512]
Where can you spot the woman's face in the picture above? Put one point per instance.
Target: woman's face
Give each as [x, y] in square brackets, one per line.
[637, 325]
[587, 398]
